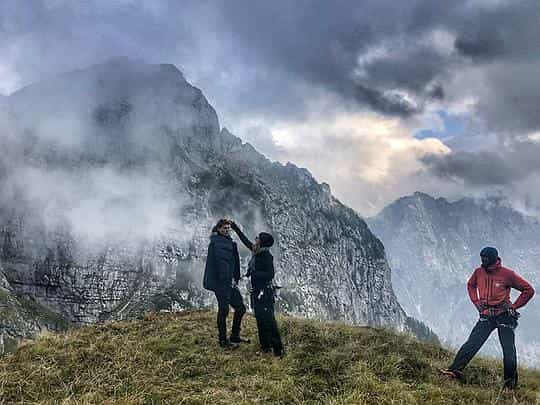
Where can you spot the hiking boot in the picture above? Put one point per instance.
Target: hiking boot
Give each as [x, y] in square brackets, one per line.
[228, 345]
[279, 354]
[453, 374]
[509, 386]
[507, 389]
[239, 339]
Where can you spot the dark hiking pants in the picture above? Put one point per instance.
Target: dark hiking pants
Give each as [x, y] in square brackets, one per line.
[505, 325]
[262, 302]
[229, 297]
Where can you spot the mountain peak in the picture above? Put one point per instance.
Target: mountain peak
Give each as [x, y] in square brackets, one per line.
[420, 194]
[418, 199]
[125, 64]
[417, 196]
[113, 77]
[130, 102]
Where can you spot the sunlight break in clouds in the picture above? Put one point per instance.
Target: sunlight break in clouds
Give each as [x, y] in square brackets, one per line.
[364, 155]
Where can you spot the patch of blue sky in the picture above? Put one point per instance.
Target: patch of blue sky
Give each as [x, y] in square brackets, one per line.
[453, 126]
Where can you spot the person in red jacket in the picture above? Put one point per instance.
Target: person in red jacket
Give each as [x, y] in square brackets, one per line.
[489, 290]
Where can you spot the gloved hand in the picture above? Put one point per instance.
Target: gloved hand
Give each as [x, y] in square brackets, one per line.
[513, 313]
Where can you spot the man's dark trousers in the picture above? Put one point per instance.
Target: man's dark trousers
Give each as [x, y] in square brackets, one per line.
[505, 325]
[263, 307]
[226, 297]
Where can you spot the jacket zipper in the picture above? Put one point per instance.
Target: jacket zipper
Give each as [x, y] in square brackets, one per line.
[488, 289]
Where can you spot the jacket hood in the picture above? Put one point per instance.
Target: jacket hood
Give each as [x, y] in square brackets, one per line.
[496, 266]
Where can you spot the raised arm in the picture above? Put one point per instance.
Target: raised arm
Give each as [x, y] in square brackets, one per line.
[247, 243]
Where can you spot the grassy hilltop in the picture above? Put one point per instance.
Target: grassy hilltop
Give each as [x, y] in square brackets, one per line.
[174, 358]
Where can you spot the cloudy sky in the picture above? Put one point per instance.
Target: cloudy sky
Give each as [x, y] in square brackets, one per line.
[377, 98]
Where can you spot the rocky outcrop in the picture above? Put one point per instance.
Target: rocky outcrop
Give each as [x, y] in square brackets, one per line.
[115, 177]
[433, 246]
[23, 318]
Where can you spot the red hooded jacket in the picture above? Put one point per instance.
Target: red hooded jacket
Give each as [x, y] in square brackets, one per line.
[491, 287]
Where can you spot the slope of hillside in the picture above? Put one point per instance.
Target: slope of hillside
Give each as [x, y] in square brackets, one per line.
[173, 358]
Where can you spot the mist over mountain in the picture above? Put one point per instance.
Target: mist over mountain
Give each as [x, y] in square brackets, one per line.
[433, 246]
[112, 178]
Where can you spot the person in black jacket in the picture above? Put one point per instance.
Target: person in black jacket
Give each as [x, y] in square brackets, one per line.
[261, 271]
[221, 275]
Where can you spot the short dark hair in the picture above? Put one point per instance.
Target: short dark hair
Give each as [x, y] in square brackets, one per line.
[266, 239]
[222, 222]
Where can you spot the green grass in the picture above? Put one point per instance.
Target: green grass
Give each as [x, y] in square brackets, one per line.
[174, 358]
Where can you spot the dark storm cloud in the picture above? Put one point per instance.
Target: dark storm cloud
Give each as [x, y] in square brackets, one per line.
[503, 43]
[326, 44]
[509, 30]
[275, 53]
[264, 45]
[481, 45]
[321, 42]
[437, 92]
[488, 168]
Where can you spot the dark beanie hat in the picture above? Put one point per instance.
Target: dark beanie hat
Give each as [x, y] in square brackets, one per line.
[266, 239]
[490, 252]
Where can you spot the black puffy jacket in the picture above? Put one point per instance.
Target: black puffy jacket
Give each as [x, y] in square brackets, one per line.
[222, 263]
[261, 266]
[262, 272]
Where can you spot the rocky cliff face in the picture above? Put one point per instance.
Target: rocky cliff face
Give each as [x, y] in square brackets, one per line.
[23, 318]
[433, 246]
[113, 177]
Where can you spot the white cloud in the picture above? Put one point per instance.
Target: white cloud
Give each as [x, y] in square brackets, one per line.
[372, 54]
[442, 40]
[9, 79]
[99, 203]
[535, 136]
